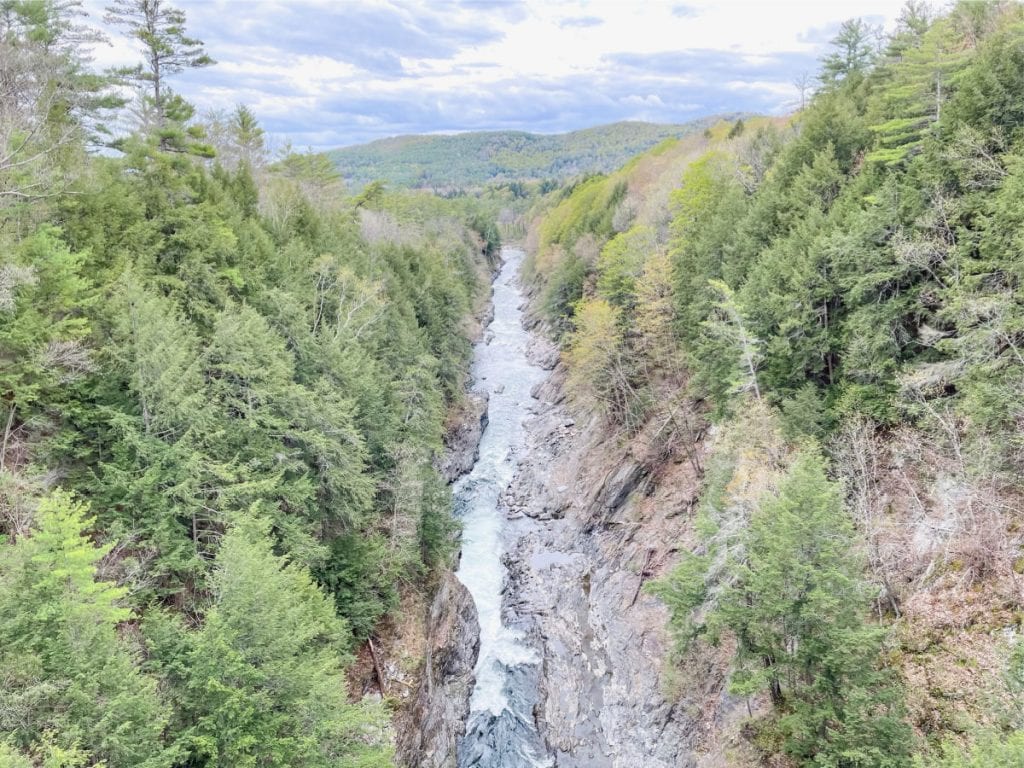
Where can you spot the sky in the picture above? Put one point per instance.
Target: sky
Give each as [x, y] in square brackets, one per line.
[330, 73]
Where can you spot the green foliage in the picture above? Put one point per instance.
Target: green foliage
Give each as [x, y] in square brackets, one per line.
[264, 682]
[488, 231]
[683, 591]
[474, 159]
[44, 298]
[356, 573]
[866, 264]
[195, 346]
[989, 751]
[705, 209]
[601, 371]
[805, 414]
[853, 54]
[986, 94]
[621, 264]
[564, 287]
[586, 211]
[70, 680]
[791, 594]
[168, 50]
[848, 279]
[11, 758]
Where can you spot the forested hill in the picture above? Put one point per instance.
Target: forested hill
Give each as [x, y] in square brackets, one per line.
[223, 389]
[817, 322]
[467, 160]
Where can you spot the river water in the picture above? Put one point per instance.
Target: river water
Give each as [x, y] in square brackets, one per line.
[500, 731]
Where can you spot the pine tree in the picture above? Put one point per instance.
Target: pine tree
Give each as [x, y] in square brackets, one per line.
[855, 49]
[68, 674]
[265, 683]
[49, 102]
[168, 51]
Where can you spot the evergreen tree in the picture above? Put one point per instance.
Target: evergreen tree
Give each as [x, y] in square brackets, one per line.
[855, 49]
[264, 682]
[792, 595]
[168, 50]
[70, 680]
[797, 608]
[43, 334]
[248, 137]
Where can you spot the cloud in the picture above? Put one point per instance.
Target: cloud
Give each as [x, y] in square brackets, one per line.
[373, 37]
[329, 74]
[581, 21]
[710, 64]
[683, 11]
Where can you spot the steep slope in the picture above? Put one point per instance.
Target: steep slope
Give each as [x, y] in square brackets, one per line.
[796, 376]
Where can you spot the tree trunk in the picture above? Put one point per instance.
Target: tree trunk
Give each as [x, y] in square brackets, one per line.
[7, 435]
[774, 687]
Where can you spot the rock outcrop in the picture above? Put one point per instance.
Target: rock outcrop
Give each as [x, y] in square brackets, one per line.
[430, 729]
[592, 522]
[462, 441]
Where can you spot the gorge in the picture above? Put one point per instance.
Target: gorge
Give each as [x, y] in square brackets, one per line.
[556, 520]
[677, 446]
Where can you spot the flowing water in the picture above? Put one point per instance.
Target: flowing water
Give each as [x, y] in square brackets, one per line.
[500, 732]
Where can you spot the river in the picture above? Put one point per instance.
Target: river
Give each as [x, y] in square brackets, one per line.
[501, 731]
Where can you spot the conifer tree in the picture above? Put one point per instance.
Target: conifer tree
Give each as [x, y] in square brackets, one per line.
[855, 49]
[70, 681]
[264, 680]
[796, 605]
[167, 50]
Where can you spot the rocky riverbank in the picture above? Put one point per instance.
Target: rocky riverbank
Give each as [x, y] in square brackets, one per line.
[434, 719]
[429, 728]
[435, 699]
[589, 520]
[592, 522]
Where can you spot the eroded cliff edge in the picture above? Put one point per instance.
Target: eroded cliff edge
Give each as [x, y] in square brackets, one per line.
[594, 518]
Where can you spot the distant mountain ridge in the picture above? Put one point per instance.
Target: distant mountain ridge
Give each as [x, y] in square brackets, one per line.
[461, 160]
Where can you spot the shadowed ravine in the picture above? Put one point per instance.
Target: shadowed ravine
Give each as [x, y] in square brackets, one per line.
[500, 730]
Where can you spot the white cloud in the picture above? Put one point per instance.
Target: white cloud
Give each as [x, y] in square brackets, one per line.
[420, 66]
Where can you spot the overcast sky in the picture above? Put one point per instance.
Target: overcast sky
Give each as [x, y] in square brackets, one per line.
[328, 74]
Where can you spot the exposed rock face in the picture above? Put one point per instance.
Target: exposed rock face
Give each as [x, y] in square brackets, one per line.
[591, 519]
[429, 733]
[462, 442]
[591, 524]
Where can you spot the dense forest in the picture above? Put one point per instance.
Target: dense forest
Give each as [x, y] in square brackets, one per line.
[223, 388]
[474, 160]
[824, 319]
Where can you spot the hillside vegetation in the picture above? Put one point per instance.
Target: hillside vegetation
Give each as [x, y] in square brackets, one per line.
[468, 160]
[823, 317]
[223, 388]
